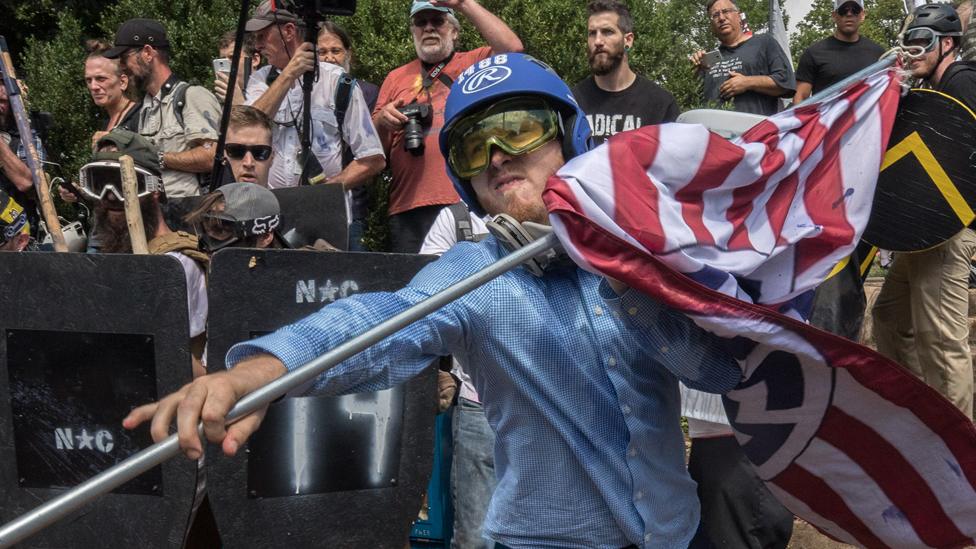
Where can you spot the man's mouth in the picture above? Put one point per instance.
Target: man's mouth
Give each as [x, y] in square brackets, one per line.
[505, 182]
[247, 178]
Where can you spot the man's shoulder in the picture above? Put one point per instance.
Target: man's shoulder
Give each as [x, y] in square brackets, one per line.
[959, 81]
[585, 85]
[646, 85]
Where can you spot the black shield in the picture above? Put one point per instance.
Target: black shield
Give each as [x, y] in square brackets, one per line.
[344, 471]
[83, 340]
[927, 187]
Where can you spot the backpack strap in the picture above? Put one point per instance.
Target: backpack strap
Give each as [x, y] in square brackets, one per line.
[179, 100]
[179, 241]
[462, 222]
[343, 94]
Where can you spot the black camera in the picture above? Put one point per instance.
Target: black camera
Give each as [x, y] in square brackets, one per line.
[419, 116]
[316, 9]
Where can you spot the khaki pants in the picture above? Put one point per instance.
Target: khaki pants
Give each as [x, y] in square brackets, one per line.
[921, 317]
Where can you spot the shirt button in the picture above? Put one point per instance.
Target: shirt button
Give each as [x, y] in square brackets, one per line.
[632, 311]
[664, 349]
[639, 495]
[598, 311]
[611, 361]
[632, 452]
[647, 538]
[625, 409]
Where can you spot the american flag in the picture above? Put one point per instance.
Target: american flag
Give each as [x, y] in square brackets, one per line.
[737, 234]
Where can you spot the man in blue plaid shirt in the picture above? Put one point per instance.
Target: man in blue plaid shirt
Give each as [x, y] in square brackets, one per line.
[576, 372]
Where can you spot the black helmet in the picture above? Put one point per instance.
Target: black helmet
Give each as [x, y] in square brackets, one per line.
[942, 18]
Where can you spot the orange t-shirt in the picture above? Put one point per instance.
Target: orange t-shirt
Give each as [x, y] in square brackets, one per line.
[422, 180]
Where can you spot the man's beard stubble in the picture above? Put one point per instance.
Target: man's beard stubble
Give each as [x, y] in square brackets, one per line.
[113, 236]
[608, 65]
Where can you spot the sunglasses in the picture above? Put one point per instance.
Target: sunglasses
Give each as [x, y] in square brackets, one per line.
[102, 177]
[237, 151]
[849, 8]
[517, 126]
[436, 21]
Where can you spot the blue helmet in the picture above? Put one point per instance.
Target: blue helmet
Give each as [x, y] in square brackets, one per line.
[509, 75]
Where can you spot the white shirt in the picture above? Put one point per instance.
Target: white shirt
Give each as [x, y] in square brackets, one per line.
[440, 238]
[196, 293]
[358, 128]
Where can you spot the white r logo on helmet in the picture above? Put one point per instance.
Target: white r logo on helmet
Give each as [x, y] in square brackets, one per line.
[485, 78]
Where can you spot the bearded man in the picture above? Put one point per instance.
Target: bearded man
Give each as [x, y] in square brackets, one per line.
[420, 187]
[615, 98]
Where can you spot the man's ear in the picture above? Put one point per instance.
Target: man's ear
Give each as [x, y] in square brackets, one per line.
[265, 240]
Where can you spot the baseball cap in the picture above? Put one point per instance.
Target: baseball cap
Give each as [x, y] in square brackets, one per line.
[13, 218]
[839, 3]
[144, 154]
[136, 33]
[247, 202]
[419, 6]
[268, 14]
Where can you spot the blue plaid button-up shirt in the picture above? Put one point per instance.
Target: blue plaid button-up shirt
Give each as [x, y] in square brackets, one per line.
[575, 382]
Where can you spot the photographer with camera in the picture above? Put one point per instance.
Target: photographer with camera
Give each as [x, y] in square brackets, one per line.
[279, 35]
[409, 116]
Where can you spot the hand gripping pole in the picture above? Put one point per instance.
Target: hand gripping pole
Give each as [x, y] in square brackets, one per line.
[58, 508]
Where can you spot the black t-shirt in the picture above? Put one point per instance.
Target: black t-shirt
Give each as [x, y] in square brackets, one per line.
[959, 81]
[757, 56]
[831, 60]
[643, 103]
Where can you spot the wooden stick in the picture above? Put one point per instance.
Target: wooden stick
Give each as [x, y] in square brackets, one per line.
[41, 183]
[133, 214]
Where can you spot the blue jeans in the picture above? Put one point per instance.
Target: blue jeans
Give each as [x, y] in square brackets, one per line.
[472, 474]
[356, 231]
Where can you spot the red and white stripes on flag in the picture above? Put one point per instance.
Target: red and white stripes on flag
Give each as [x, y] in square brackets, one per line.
[736, 235]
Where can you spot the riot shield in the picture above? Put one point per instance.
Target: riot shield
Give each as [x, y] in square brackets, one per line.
[927, 187]
[346, 471]
[308, 213]
[84, 339]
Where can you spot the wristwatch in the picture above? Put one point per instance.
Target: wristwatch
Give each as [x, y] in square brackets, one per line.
[162, 162]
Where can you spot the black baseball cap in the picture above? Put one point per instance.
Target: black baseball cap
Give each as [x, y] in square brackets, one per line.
[137, 33]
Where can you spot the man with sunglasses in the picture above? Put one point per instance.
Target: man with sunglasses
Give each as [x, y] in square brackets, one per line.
[921, 317]
[575, 383]
[753, 73]
[248, 145]
[179, 119]
[838, 56]
[420, 188]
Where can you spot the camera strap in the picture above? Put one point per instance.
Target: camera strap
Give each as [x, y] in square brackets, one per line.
[437, 73]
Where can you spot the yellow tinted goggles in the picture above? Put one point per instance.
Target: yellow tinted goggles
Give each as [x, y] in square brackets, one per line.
[516, 126]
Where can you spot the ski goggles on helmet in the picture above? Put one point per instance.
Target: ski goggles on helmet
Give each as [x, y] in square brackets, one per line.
[217, 232]
[517, 126]
[104, 176]
[924, 37]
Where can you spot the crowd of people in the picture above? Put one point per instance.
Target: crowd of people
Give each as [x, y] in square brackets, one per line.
[455, 160]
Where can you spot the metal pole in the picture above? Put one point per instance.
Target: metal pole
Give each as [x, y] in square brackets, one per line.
[47, 514]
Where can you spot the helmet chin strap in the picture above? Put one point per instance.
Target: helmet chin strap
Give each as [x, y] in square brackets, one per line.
[514, 235]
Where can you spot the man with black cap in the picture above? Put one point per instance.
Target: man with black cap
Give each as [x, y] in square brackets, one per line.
[838, 56]
[420, 188]
[280, 38]
[180, 119]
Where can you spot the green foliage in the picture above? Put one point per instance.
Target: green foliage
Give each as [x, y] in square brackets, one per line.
[881, 24]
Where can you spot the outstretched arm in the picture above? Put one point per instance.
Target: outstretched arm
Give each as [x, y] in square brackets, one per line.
[499, 36]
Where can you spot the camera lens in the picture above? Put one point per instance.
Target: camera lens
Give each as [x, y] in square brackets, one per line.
[413, 137]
